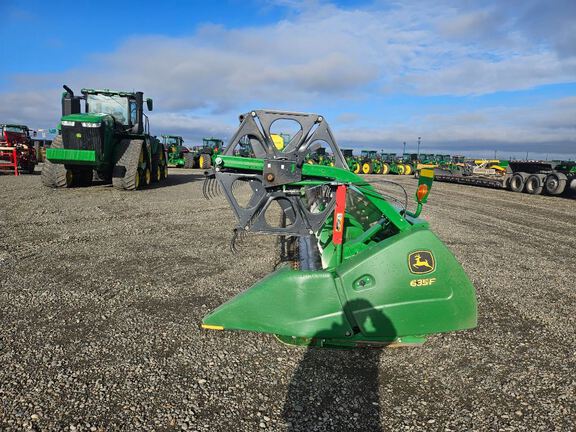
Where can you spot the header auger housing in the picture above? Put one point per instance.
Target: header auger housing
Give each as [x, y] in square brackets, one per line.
[358, 270]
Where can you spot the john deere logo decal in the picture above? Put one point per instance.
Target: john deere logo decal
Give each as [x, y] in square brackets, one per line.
[421, 262]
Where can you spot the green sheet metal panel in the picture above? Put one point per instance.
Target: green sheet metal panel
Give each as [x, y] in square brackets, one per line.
[71, 156]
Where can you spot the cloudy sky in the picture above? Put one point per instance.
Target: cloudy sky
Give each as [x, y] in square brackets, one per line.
[471, 77]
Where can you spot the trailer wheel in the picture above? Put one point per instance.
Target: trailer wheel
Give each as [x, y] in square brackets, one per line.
[555, 184]
[416, 173]
[516, 183]
[533, 185]
[188, 160]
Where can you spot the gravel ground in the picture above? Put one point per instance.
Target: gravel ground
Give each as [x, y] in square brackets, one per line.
[102, 293]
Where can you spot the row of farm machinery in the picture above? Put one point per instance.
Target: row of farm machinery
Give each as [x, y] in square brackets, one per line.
[109, 140]
[181, 156]
[374, 162]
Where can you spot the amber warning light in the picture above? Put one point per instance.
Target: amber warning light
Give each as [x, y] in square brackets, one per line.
[421, 192]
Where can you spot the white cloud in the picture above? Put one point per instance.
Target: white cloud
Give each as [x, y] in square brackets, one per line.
[322, 55]
[545, 127]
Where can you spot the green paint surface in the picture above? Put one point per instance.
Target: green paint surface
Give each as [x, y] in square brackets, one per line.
[70, 156]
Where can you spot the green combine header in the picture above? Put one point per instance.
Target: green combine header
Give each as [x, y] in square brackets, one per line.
[356, 269]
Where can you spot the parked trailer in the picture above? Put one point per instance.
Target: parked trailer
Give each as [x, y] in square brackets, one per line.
[533, 177]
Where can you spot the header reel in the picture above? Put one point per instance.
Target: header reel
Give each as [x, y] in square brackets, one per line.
[363, 271]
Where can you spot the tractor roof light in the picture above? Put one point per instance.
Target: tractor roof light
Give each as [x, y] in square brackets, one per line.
[68, 123]
[91, 125]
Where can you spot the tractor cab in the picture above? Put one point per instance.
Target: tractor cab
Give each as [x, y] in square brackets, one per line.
[410, 157]
[212, 145]
[124, 108]
[458, 159]
[389, 157]
[174, 144]
[369, 154]
[443, 159]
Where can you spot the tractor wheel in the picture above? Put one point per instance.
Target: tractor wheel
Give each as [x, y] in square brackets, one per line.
[356, 168]
[128, 156]
[156, 172]
[56, 175]
[385, 168]
[516, 183]
[146, 177]
[533, 185]
[400, 169]
[408, 169]
[377, 168]
[367, 168]
[163, 165]
[30, 167]
[188, 160]
[204, 161]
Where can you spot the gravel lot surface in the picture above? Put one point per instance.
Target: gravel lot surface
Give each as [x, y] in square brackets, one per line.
[102, 293]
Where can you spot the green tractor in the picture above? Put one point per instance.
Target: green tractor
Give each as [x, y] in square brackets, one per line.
[174, 144]
[319, 157]
[203, 156]
[370, 162]
[410, 160]
[109, 141]
[355, 270]
[458, 160]
[351, 161]
[394, 164]
[443, 159]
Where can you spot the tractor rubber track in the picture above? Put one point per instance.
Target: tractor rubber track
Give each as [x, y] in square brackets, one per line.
[126, 168]
[54, 175]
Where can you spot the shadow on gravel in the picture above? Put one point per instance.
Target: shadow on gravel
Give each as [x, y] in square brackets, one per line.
[338, 389]
[177, 179]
